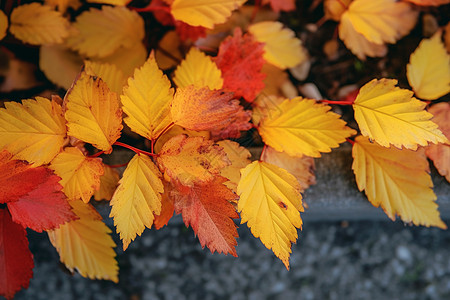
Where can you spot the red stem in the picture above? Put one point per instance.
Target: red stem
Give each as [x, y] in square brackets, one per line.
[164, 131]
[351, 141]
[136, 150]
[96, 154]
[118, 166]
[338, 102]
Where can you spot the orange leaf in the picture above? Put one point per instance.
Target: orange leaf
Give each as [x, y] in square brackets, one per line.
[440, 153]
[167, 208]
[108, 184]
[203, 109]
[241, 60]
[190, 160]
[301, 167]
[207, 209]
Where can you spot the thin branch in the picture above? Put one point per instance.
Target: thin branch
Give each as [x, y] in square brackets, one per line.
[136, 150]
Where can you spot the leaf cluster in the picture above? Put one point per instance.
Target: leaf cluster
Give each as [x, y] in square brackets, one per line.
[190, 100]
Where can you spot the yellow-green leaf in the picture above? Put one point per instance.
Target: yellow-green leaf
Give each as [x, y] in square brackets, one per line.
[38, 24]
[303, 127]
[190, 160]
[281, 47]
[101, 32]
[3, 24]
[397, 180]
[109, 73]
[85, 244]
[137, 198]
[146, 100]
[34, 131]
[80, 175]
[199, 70]
[204, 13]
[270, 202]
[93, 112]
[390, 115]
[428, 70]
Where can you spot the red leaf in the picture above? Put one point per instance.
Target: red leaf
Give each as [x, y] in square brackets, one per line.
[16, 260]
[281, 5]
[207, 209]
[240, 123]
[17, 178]
[164, 17]
[241, 59]
[167, 208]
[44, 208]
[186, 31]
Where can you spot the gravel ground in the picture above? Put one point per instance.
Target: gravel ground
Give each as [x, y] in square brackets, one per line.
[332, 260]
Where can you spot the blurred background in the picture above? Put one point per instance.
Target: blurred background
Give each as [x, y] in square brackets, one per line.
[331, 260]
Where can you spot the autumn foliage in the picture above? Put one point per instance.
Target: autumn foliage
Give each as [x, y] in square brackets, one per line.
[190, 99]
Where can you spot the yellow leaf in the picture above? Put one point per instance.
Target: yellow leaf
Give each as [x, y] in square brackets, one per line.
[127, 59]
[3, 24]
[190, 160]
[112, 2]
[108, 184]
[239, 157]
[281, 47]
[304, 127]
[270, 202]
[334, 9]
[146, 100]
[301, 167]
[92, 112]
[358, 43]
[428, 70]
[60, 65]
[85, 244]
[62, 5]
[440, 153]
[199, 70]
[109, 73]
[397, 180]
[102, 32]
[168, 53]
[38, 24]
[381, 21]
[80, 175]
[137, 198]
[34, 131]
[204, 13]
[390, 115]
